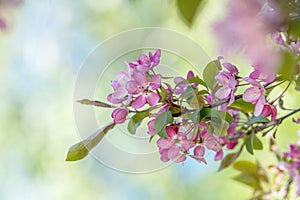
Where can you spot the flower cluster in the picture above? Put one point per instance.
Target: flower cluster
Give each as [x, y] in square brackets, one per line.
[136, 86]
[291, 163]
[224, 109]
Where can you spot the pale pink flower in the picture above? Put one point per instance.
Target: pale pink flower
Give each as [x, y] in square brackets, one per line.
[120, 93]
[175, 147]
[228, 82]
[205, 139]
[119, 115]
[139, 85]
[145, 63]
[292, 163]
[246, 26]
[255, 95]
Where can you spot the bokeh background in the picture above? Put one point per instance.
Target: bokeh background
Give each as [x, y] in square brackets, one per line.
[41, 53]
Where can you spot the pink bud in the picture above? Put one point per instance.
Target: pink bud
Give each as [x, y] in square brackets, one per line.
[119, 115]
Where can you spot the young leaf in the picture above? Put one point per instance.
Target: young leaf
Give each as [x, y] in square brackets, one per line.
[192, 80]
[230, 158]
[249, 180]
[258, 119]
[245, 166]
[161, 121]
[253, 142]
[132, 126]
[81, 149]
[243, 106]
[210, 71]
[95, 103]
[136, 121]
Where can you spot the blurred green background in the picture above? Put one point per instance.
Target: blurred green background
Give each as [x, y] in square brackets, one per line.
[41, 53]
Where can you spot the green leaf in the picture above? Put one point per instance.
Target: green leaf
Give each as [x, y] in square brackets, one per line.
[253, 142]
[287, 66]
[210, 71]
[163, 93]
[188, 9]
[227, 161]
[195, 116]
[161, 121]
[249, 180]
[192, 80]
[197, 80]
[205, 113]
[297, 81]
[188, 92]
[258, 119]
[294, 27]
[132, 126]
[81, 149]
[202, 92]
[230, 158]
[243, 106]
[245, 166]
[136, 121]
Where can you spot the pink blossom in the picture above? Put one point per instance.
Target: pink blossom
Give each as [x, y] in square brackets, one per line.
[296, 46]
[246, 27]
[205, 139]
[228, 81]
[175, 147]
[255, 95]
[139, 85]
[151, 129]
[145, 63]
[226, 140]
[120, 93]
[119, 115]
[269, 110]
[292, 163]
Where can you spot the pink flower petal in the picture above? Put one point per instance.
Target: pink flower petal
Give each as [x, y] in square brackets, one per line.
[141, 79]
[199, 151]
[219, 155]
[155, 59]
[180, 158]
[231, 68]
[173, 152]
[178, 80]
[163, 143]
[171, 131]
[151, 129]
[223, 93]
[251, 94]
[132, 87]
[155, 82]
[164, 155]
[259, 105]
[139, 102]
[153, 98]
